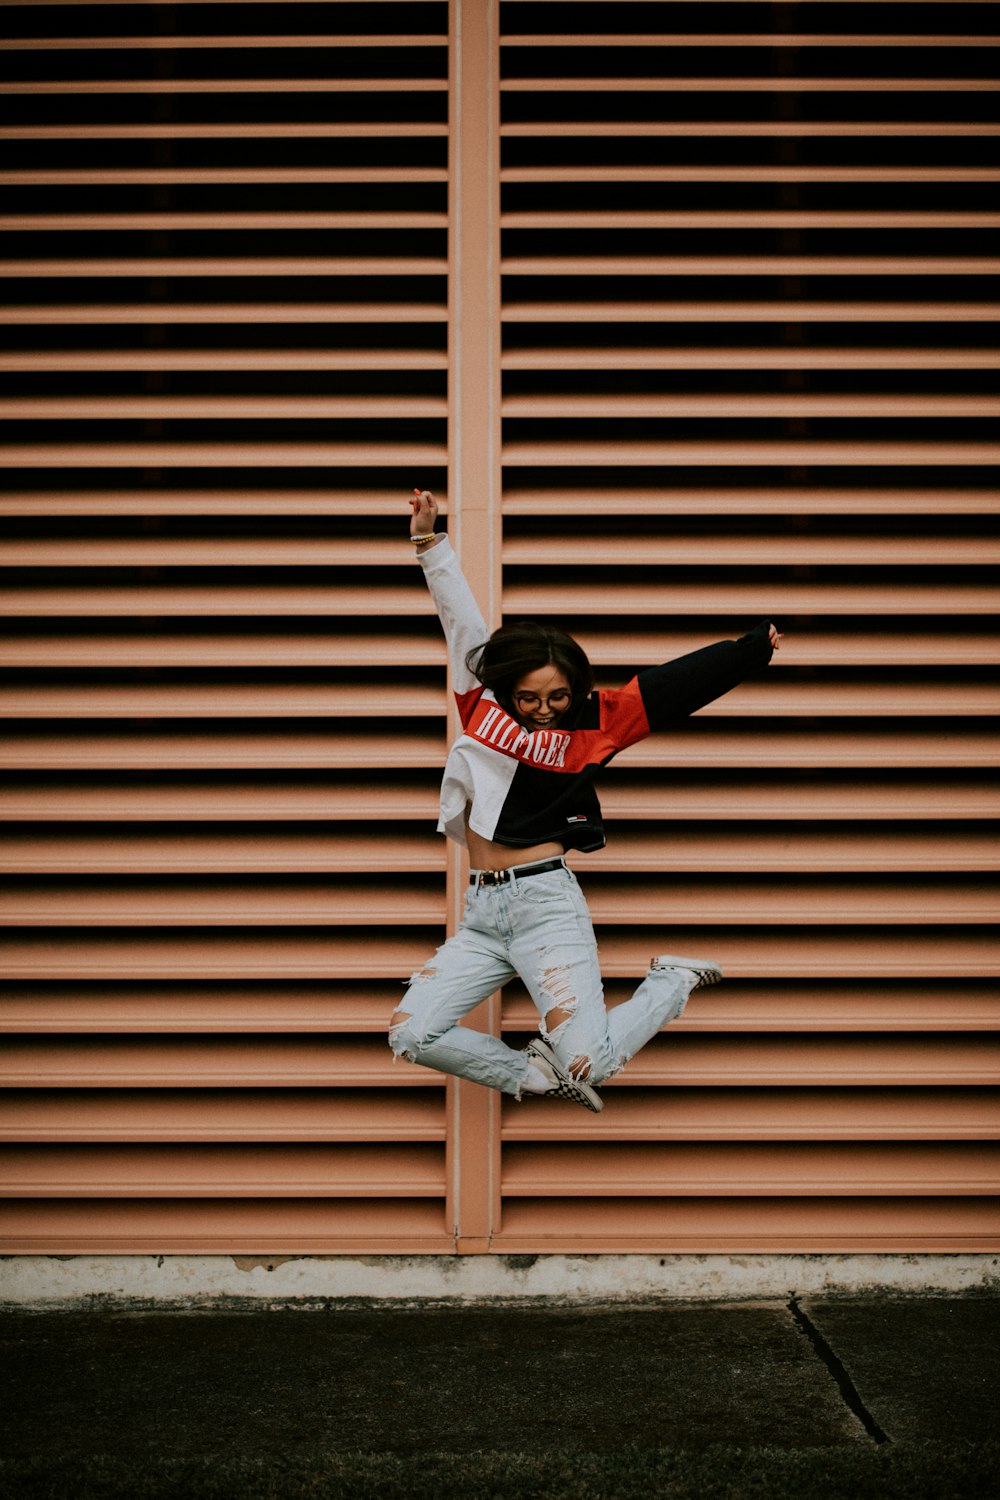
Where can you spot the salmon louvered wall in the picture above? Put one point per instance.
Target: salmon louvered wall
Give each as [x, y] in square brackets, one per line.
[749, 370]
[225, 685]
[732, 269]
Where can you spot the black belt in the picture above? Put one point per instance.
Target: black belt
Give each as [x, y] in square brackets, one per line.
[502, 877]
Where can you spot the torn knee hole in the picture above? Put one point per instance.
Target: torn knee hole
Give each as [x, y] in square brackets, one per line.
[581, 1068]
[399, 1020]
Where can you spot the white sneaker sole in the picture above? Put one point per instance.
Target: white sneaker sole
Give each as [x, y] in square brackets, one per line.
[707, 970]
[567, 1086]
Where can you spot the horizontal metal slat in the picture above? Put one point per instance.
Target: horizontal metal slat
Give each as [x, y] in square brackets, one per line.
[626, 549]
[343, 853]
[294, 130]
[569, 220]
[251, 1226]
[798, 452]
[242, 359]
[792, 903]
[741, 265]
[928, 1060]
[210, 86]
[204, 1115]
[710, 39]
[232, 650]
[214, 598]
[347, 799]
[749, 500]
[214, 176]
[741, 311]
[189, 954]
[248, 455]
[225, 313]
[753, 851]
[192, 501]
[607, 406]
[721, 799]
[601, 596]
[738, 129]
[204, 1062]
[816, 649]
[235, 266]
[766, 1114]
[801, 1006]
[201, 1062]
[236, 43]
[217, 408]
[215, 551]
[220, 1008]
[743, 1171]
[126, 749]
[803, 84]
[749, 1226]
[739, 172]
[737, 357]
[74, 223]
[382, 1171]
[782, 949]
[222, 700]
[227, 904]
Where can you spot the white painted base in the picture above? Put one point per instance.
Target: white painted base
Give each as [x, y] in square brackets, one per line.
[43, 1281]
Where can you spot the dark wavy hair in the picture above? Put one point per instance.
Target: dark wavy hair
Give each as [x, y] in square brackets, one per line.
[515, 650]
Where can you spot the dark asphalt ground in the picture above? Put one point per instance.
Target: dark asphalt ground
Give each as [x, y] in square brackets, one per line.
[412, 1379]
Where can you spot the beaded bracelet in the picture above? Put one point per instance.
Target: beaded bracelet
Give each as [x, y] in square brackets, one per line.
[421, 541]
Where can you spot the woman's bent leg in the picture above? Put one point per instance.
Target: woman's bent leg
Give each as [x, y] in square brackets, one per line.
[661, 997]
[425, 1029]
[555, 951]
[556, 955]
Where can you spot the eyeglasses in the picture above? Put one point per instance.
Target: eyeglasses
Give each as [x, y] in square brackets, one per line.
[530, 703]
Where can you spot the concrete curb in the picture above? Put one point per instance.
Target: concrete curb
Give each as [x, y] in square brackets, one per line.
[51, 1282]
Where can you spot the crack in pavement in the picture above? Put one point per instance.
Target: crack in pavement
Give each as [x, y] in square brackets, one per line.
[846, 1386]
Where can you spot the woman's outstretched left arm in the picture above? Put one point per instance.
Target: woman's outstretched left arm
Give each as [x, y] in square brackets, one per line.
[679, 688]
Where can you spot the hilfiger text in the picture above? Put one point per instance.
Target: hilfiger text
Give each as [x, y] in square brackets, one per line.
[539, 747]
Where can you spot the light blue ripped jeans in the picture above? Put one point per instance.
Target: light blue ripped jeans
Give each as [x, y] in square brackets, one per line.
[539, 928]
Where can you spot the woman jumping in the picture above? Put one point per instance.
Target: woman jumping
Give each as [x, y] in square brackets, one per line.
[518, 791]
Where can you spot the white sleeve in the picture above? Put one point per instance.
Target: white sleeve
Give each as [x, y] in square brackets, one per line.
[460, 616]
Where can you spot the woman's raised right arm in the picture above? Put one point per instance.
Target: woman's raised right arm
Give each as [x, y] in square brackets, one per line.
[460, 616]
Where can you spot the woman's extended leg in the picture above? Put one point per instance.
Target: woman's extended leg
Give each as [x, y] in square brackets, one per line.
[424, 1028]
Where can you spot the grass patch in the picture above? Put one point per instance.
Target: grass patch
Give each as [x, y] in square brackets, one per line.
[929, 1471]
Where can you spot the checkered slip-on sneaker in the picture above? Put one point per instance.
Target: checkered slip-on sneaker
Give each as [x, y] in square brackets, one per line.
[707, 970]
[566, 1086]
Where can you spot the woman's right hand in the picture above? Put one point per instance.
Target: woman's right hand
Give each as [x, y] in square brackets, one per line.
[424, 517]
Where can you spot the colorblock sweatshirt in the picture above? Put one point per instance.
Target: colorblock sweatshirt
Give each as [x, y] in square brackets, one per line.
[519, 787]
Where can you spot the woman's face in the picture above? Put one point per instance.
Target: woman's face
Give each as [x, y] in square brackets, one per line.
[542, 698]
